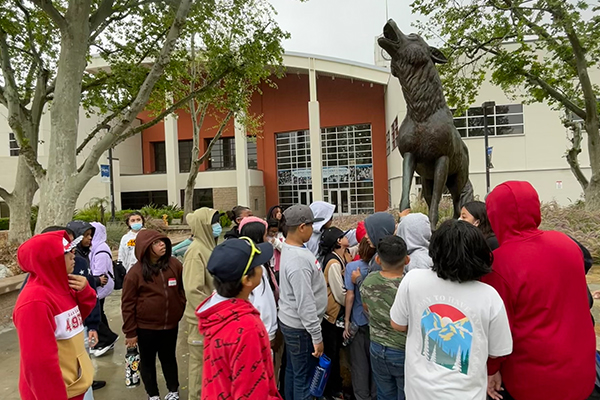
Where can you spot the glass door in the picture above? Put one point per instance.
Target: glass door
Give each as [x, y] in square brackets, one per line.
[306, 197]
[341, 199]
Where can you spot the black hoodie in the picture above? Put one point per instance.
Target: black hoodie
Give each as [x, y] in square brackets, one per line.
[82, 267]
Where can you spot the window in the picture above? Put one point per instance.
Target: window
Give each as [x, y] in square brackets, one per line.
[348, 168]
[4, 210]
[185, 155]
[387, 143]
[293, 168]
[501, 119]
[160, 157]
[202, 198]
[137, 200]
[13, 145]
[222, 155]
[394, 134]
[252, 155]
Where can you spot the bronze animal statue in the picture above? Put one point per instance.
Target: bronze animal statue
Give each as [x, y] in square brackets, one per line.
[427, 138]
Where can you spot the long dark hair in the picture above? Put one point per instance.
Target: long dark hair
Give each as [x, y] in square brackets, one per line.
[478, 211]
[150, 270]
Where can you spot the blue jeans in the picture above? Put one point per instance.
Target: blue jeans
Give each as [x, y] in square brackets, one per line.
[388, 370]
[300, 363]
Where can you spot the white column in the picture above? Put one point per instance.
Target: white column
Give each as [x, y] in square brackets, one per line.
[314, 123]
[241, 164]
[172, 156]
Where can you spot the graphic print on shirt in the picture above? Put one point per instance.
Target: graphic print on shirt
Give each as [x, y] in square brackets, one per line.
[447, 336]
[131, 243]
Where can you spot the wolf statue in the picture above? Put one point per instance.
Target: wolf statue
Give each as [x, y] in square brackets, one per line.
[427, 138]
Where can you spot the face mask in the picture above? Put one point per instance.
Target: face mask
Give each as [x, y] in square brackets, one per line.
[217, 229]
[137, 226]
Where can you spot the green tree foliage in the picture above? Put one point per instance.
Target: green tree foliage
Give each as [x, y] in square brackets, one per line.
[115, 58]
[535, 50]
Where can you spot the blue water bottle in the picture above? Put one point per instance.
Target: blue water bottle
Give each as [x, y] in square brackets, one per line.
[319, 380]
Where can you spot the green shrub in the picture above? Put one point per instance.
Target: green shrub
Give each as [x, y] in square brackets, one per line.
[224, 220]
[4, 223]
[88, 214]
[114, 233]
[122, 214]
[178, 214]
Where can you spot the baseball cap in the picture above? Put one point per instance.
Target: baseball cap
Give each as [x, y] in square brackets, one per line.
[300, 214]
[69, 247]
[330, 237]
[229, 259]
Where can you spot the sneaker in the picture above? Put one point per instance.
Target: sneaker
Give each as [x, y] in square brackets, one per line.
[99, 352]
[98, 385]
[172, 396]
[154, 398]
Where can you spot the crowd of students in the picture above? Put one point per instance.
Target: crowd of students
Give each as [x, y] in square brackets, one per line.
[487, 306]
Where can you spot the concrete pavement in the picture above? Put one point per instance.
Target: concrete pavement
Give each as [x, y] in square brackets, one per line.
[109, 368]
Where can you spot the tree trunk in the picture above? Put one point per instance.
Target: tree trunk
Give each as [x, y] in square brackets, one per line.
[592, 192]
[20, 203]
[188, 203]
[59, 187]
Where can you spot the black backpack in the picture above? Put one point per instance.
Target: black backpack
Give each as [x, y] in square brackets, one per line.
[119, 272]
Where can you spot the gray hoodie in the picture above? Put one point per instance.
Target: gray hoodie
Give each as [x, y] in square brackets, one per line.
[378, 226]
[415, 229]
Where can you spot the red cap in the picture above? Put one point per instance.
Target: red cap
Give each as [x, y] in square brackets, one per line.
[360, 231]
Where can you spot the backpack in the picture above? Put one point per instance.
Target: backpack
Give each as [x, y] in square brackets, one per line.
[119, 272]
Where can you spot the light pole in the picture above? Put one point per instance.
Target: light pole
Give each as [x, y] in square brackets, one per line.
[486, 105]
[112, 179]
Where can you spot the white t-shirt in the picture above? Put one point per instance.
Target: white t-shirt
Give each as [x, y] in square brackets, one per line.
[464, 323]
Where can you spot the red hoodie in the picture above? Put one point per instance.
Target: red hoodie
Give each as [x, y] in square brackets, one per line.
[540, 277]
[49, 320]
[237, 351]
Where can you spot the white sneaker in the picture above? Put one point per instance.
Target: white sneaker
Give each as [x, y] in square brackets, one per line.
[154, 398]
[172, 396]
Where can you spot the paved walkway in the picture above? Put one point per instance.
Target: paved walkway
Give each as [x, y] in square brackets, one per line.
[111, 367]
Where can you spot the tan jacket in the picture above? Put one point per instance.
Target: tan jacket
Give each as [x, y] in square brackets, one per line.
[197, 282]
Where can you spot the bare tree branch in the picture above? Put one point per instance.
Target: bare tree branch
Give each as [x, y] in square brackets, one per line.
[52, 12]
[215, 139]
[573, 153]
[104, 11]
[102, 125]
[7, 197]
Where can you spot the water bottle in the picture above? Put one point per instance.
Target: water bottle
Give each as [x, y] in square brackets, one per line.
[319, 379]
[353, 330]
[132, 364]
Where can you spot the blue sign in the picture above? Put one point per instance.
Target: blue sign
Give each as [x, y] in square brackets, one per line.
[105, 173]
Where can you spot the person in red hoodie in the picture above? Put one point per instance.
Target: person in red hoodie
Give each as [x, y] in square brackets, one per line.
[541, 279]
[238, 362]
[49, 316]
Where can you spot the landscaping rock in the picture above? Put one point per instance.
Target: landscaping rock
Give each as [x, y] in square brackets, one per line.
[5, 272]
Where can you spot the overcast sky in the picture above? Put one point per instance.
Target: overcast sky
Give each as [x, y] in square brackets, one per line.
[339, 28]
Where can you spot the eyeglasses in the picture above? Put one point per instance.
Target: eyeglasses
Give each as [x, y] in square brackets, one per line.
[255, 250]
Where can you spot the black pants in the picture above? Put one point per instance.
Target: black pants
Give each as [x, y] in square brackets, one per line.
[332, 341]
[163, 343]
[106, 336]
[363, 382]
